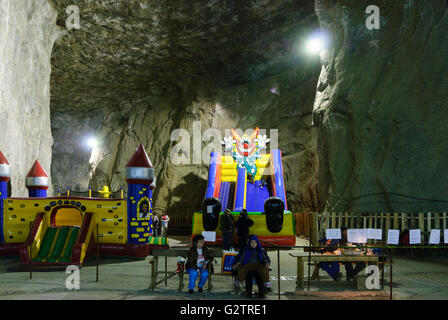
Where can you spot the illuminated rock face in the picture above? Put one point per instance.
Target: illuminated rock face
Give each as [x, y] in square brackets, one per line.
[137, 70]
[181, 188]
[27, 34]
[381, 107]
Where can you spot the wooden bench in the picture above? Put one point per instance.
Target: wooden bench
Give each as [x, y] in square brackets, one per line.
[177, 252]
[316, 258]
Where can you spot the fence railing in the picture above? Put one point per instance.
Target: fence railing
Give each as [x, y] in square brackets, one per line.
[419, 271]
[314, 224]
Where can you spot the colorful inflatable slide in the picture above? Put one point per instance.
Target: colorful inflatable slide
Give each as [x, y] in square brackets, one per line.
[247, 180]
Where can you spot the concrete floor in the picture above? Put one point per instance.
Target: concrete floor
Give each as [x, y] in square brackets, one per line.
[128, 279]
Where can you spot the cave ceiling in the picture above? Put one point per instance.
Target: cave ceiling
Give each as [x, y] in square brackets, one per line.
[127, 49]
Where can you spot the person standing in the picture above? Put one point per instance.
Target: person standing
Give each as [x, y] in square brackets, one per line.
[226, 227]
[242, 226]
[198, 259]
[155, 226]
[165, 220]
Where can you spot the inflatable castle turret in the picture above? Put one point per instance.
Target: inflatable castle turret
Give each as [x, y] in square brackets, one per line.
[140, 179]
[37, 181]
[5, 176]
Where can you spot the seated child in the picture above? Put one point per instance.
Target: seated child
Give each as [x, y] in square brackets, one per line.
[197, 260]
[253, 262]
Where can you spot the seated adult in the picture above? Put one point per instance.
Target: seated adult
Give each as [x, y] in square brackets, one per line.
[198, 259]
[332, 268]
[253, 263]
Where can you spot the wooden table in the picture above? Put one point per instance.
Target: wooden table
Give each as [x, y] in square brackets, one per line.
[177, 252]
[317, 257]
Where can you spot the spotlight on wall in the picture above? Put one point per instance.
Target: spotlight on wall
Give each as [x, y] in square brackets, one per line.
[314, 45]
[92, 142]
[317, 42]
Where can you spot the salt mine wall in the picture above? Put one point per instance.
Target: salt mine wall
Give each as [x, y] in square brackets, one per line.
[381, 107]
[27, 33]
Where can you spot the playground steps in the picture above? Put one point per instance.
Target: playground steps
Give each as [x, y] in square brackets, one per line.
[57, 245]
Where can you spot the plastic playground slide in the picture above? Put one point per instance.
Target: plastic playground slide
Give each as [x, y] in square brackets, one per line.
[58, 245]
[229, 183]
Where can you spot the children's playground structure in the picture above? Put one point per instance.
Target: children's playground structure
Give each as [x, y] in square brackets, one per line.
[247, 179]
[64, 230]
[67, 229]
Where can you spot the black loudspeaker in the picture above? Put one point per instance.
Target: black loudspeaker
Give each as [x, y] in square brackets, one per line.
[273, 208]
[211, 208]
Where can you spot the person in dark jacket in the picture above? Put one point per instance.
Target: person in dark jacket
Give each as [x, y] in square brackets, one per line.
[198, 259]
[242, 226]
[253, 263]
[332, 268]
[226, 227]
[155, 226]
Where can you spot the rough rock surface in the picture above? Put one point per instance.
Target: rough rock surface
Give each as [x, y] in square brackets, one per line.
[27, 34]
[381, 107]
[181, 187]
[137, 70]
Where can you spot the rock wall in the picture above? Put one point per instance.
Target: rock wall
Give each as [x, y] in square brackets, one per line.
[27, 33]
[381, 108]
[136, 71]
[181, 187]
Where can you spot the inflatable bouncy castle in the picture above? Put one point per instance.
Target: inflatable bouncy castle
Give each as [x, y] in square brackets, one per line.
[247, 179]
[65, 230]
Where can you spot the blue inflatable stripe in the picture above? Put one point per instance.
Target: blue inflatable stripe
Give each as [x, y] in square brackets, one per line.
[240, 186]
[224, 194]
[212, 175]
[279, 183]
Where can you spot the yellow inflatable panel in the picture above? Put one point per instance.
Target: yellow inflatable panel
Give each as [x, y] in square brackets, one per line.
[35, 247]
[228, 166]
[19, 214]
[229, 172]
[258, 228]
[229, 179]
[227, 160]
[68, 217]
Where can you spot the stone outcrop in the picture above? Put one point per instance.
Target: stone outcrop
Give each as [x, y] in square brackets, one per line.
[27, 34]
[381, 108]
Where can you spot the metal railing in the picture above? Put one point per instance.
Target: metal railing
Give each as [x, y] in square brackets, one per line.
[404, 272]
